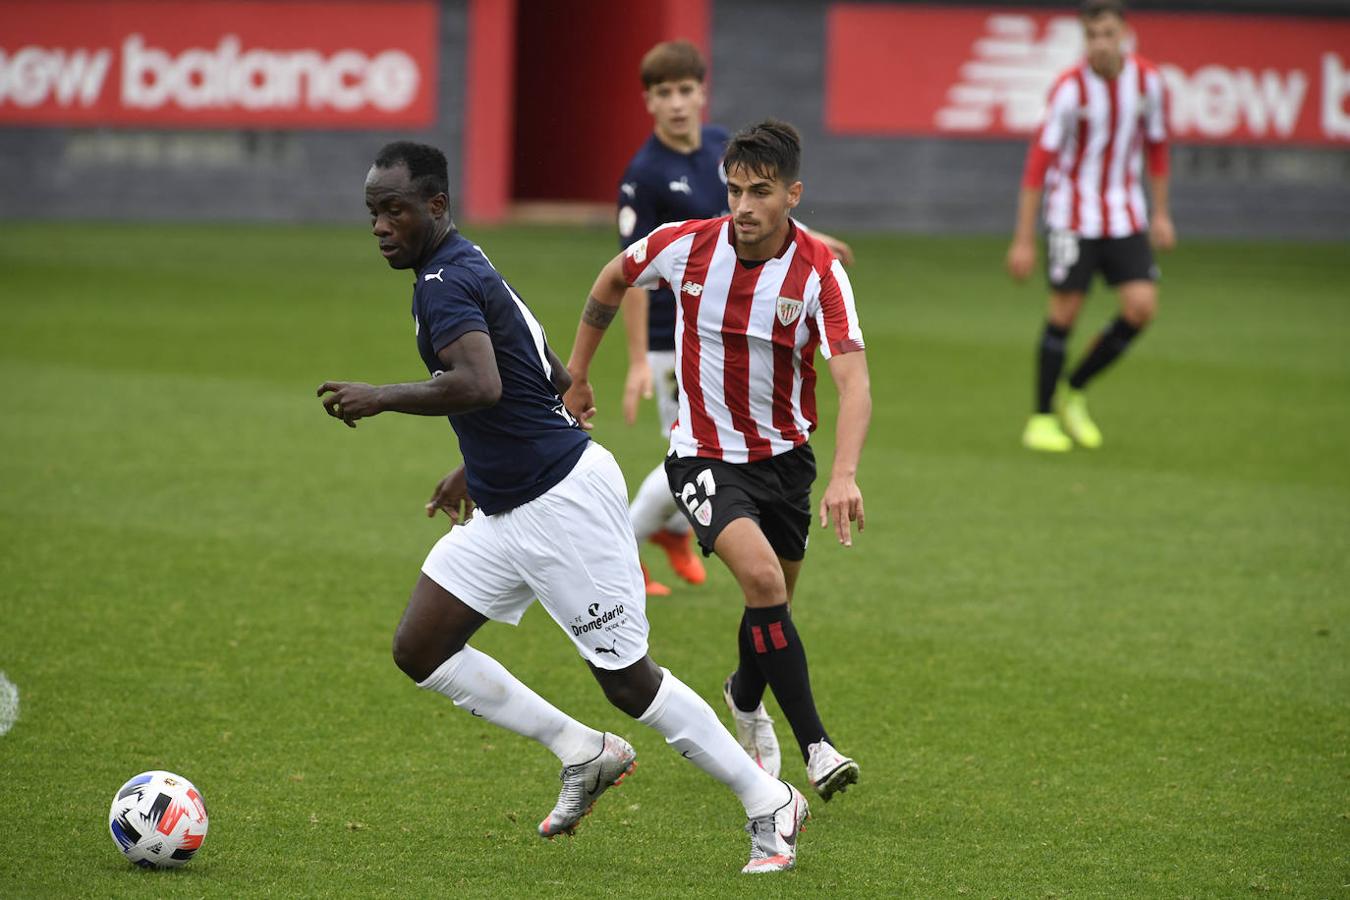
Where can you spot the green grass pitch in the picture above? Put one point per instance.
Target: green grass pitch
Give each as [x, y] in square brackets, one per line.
[1113, 674]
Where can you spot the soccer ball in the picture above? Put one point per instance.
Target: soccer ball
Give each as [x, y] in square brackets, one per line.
[158, 820]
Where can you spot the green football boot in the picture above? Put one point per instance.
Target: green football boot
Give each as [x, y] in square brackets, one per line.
[1073, 412]
[1044, 433]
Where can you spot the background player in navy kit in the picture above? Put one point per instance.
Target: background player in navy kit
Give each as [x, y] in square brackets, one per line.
[554, 522]
[675, 176]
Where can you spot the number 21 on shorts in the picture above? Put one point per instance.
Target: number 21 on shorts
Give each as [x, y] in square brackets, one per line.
[697, 495]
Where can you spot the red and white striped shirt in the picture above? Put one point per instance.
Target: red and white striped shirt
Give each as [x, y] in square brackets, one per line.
[746, 336]
[1092, 140]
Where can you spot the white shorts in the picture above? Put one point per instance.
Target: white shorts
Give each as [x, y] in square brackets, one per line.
[572, 547]
[666, 387]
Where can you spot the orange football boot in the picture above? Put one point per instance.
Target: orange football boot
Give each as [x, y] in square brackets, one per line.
[680, 551]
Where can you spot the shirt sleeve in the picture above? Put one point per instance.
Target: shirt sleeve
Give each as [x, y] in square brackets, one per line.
[1059, 116]
[836, 315]
[452, 306]
[648, 261]
[638, 213]
[1155, 122]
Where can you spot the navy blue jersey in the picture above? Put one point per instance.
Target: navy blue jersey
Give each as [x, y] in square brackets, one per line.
[663, 185]
[528, 442]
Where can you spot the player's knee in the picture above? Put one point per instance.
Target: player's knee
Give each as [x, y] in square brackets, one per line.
[763, 583]
[416, 656]
[1063, 312]
[1140, 310]
[628, 695]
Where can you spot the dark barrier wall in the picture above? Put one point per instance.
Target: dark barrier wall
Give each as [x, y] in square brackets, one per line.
[941, 184]
[245, 175]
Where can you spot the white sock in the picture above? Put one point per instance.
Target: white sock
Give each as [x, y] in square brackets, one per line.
[691, 727]
[480, 684]
[676, 524]
[652, 505]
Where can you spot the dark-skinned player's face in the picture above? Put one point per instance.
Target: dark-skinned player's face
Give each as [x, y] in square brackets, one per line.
[402, 220]
[759, 204]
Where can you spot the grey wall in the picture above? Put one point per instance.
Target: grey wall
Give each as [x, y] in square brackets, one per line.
[937, 185]
[216, 175]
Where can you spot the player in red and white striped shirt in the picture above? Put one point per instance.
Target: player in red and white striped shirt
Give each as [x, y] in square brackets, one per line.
[756, 295]
[1105, 116]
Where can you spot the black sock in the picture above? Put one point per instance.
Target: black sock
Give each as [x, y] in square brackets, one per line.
[1110, 344]
[1050, 362]
[747, 683]
[782, 660]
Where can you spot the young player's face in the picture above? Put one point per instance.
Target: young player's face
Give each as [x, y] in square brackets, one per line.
[759, 206]
[1105, 36]
[677, 108]
[403, 222]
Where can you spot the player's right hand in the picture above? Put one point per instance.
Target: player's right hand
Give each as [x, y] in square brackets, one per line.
[637, 386]
[580, 401]
[452, 496]
[1021, 258]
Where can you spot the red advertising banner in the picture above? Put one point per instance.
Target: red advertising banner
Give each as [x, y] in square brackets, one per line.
[984, 72]
[219, 63]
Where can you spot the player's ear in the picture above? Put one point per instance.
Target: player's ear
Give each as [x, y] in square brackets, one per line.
[794, 194]
[438, 205]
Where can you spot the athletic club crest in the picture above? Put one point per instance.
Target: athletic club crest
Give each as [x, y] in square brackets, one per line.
[703, 513]
[788, 310]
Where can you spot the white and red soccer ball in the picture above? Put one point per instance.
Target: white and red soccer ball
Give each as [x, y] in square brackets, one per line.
[158, 820]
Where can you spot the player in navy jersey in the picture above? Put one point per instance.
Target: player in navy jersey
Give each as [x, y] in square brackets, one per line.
[551, 522]
[675, 176]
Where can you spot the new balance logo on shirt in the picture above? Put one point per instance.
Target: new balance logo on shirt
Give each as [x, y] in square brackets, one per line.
[692, 288]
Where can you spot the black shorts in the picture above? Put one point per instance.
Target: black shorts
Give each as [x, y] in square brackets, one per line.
[1071, 261]
[774, 492]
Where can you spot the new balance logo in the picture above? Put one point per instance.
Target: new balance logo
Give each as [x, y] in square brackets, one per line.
[436, 275]
[1010, 73]
[692, 288]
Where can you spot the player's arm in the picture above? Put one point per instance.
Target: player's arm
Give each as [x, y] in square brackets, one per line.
[1022, 251]
[843, 501]
[638, 383]
[558, 374]
[639, 212]
[470, 382]
[1050, 137]
[1162, 231]
[601, 307]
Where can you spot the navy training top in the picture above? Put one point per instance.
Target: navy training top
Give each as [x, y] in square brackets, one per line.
[528, 441]
[663, 185]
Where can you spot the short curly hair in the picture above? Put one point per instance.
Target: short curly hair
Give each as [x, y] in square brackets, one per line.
[426, 165]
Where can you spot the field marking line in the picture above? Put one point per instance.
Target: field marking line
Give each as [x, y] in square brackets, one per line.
[9, 703]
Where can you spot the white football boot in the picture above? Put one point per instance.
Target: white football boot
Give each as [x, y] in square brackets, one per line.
[755, 732]
[773, 838]
[828, 770]
[583, 784]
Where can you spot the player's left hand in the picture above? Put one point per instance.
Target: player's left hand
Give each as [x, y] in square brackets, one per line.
[842, 504]
[580, 401]
[452, 496]
[350, 400]
[842, 251]
[1162, 232]
[637, 385]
